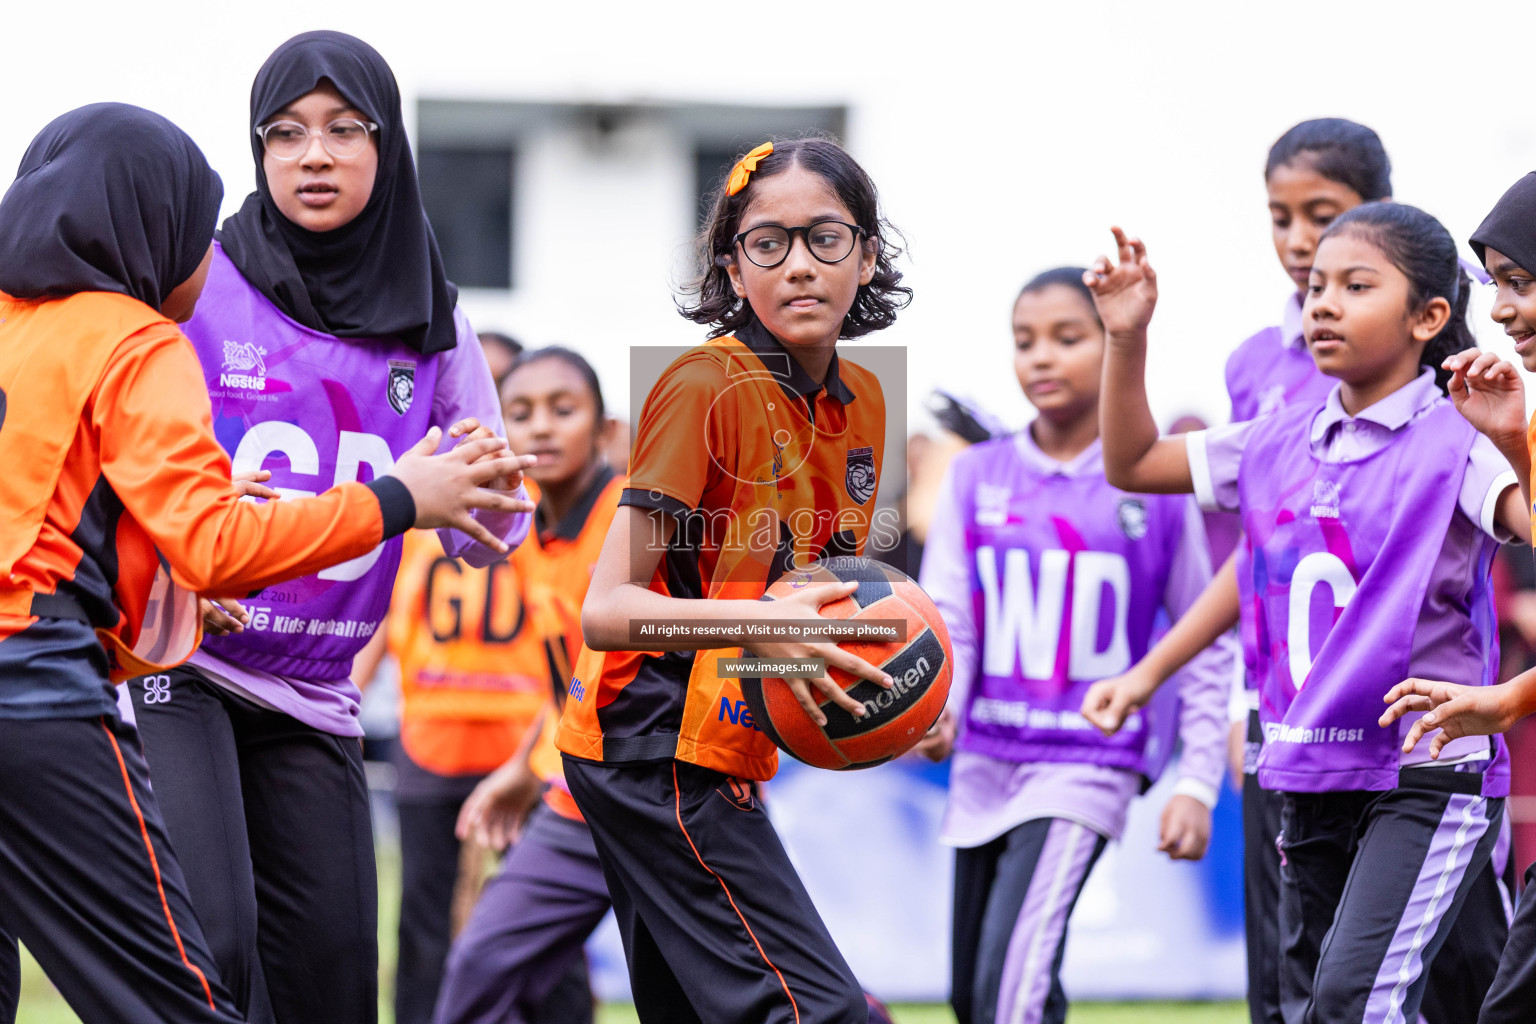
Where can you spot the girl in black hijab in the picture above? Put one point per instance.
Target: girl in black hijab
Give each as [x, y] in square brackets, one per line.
[329, 341]
[379, 275]
[115, 497]
[1489, 391]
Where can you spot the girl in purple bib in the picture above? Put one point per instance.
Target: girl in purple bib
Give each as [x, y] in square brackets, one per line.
[330, 340]
[1048, 579]
[1316, 171]
[1371, 522]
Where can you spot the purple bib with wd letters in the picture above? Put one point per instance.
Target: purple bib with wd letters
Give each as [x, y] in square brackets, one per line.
[1338, 569]
[1067, 576]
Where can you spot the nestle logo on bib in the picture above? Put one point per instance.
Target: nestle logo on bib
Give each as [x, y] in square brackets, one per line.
[244, 366]
[1325, 499]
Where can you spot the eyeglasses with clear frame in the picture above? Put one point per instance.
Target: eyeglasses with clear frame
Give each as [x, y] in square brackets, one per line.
[768, 245]
[343, 138]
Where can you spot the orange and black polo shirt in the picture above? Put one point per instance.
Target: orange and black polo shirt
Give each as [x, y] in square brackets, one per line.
[556, 567]
[761, 468]
[116, 507]
[472, 667]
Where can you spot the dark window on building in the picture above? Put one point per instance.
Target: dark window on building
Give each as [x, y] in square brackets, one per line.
[468, 197]
[710, 166]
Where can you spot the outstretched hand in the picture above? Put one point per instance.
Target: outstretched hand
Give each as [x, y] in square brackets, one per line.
[1126, 293]
[447, 488]
[1454, 709]
[471, 429]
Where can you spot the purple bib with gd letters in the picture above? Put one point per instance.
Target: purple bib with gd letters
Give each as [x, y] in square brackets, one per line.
[317, 411]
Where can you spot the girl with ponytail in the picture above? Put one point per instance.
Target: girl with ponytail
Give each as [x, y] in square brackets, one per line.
[1371, 520]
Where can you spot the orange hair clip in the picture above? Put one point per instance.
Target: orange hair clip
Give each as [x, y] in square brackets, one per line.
[744, 168]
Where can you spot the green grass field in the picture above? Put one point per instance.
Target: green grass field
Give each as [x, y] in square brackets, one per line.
[40, 1004]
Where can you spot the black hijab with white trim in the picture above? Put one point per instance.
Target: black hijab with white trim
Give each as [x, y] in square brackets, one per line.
[378, 276]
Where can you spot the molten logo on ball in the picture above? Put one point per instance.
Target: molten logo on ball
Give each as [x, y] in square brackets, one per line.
[903, 683]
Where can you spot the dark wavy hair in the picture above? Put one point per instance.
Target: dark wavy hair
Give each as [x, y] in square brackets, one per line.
[709, 298]
[1066, 277]
[575, 360]
[1419, 246]
[1341, 150]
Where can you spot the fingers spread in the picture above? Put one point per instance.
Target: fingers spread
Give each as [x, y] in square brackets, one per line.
[838, 696]
[1403, 706]
[802, 692]
[472, 527]
[855, 665]
[826, 593]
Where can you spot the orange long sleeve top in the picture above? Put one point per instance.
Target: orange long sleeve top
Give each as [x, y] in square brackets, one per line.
[116, 507]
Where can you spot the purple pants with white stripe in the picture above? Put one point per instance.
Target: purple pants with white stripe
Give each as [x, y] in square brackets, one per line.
[1371, 884]
[527, 929]
[1013, 896]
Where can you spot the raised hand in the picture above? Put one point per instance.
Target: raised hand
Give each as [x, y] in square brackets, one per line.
[1124, 294]
[1488, 391]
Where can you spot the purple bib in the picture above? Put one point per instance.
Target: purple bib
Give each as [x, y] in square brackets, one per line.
[1067, 576]
[317, 411]
[1340, 561]
[1264, 375]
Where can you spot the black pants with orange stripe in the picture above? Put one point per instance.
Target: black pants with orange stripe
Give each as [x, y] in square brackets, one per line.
[715, 922]
[88, 879]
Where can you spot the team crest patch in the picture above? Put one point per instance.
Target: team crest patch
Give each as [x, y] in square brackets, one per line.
[861, 474]
[402, 384]
[1132, 515]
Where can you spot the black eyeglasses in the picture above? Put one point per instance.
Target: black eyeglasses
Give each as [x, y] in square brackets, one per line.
[830, 241]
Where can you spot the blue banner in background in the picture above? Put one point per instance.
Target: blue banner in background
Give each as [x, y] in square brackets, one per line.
[867, 849]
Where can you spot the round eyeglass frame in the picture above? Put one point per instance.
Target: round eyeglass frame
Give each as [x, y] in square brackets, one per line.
[261, 131]
[803, 231]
